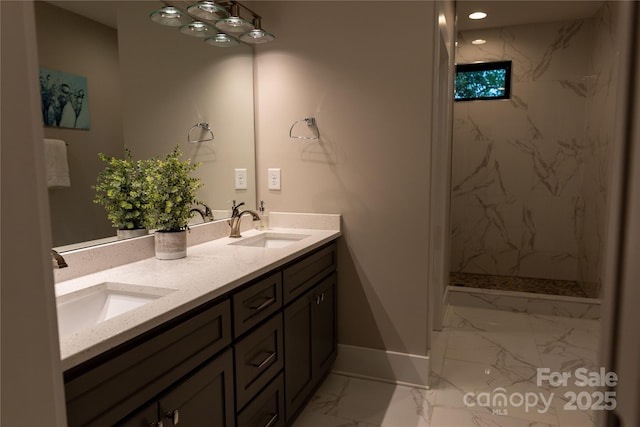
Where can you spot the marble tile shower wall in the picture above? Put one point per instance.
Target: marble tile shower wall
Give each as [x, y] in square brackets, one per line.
[518, 192]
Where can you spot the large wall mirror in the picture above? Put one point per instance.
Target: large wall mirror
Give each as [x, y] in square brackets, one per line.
[148, 85]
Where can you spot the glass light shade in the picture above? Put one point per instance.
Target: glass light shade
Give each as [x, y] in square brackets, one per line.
[196, 29]
[169, 16]
[257, 36]
[207, 10]
[222, 40]
[234, 24]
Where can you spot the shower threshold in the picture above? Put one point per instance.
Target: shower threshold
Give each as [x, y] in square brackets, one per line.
[568, 288]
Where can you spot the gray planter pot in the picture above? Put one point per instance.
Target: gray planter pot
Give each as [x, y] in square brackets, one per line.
[171, 244]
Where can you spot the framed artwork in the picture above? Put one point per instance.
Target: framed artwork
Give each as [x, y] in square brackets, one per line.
[65, 99]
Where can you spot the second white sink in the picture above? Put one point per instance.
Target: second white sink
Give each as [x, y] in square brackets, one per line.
[270, 239]
[87, 307]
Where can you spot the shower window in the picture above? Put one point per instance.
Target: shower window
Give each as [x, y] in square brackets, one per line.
[483, 81]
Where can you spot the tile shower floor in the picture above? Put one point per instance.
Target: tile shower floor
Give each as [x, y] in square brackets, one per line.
[568, 288]
[479, 350]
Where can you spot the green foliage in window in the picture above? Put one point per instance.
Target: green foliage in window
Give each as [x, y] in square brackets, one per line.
[480, 84]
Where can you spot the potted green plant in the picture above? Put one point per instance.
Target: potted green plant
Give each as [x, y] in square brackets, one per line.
[119, 190]
[169, 193]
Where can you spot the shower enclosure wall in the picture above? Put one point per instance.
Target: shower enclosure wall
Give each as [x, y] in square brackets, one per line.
[530, 174]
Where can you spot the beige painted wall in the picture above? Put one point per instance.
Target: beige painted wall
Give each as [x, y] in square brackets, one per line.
[77, 45]
[369, 86]
[31, 378]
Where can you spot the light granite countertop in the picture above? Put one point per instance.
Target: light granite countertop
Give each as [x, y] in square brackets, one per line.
[210, 270]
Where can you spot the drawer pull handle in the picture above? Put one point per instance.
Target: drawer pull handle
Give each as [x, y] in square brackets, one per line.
[174, 416]
[265, 304]
[266, 360]
[272, 420]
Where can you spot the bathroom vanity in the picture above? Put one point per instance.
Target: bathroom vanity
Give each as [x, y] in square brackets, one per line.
[247, 351]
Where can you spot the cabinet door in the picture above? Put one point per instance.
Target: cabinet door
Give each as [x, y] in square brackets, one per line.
[297, 354]
[205, 399]
[323, 330]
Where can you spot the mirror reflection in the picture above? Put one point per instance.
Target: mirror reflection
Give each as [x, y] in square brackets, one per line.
[149, 89]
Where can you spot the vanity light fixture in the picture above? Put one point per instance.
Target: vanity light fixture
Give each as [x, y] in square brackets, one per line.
[169, 16]
[195, 29]
[222, 40]
[231, 26]
[207, 10]
[477, 15]
[234, 23]
[257, 35]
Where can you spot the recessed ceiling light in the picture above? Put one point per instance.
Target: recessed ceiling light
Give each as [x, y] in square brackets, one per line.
[477, 15]
[479, 41]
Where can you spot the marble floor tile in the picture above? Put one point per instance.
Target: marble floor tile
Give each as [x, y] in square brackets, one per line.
[456, 417]
[479, 350]
[375, 403]
[439, 342]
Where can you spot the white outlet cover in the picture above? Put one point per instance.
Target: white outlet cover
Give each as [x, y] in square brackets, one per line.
[274, 178]
[241, 179]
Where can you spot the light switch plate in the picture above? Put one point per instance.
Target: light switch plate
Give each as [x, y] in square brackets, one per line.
[274, 179]
[241, 179]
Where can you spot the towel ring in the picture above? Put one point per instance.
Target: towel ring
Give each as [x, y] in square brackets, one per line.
[311, 123]
[204, 126]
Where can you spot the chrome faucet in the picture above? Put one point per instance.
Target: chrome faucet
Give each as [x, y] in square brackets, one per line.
[207, 214]
[236, 215]
[57, 260]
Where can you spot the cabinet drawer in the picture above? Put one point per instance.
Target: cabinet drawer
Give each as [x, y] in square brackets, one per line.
[102, 390]
[305, 273]
[256, 303]
[259, 357]
[267, 409]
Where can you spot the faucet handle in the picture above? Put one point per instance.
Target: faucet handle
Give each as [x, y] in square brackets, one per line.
[236, 208]
[207, 210]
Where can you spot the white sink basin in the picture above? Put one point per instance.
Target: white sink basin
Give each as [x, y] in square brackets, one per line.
[270, 239]
[87, 307]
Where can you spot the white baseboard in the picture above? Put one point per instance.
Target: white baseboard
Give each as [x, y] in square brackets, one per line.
[380, 365]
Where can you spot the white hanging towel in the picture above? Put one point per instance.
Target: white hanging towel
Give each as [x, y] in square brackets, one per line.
[57, 167]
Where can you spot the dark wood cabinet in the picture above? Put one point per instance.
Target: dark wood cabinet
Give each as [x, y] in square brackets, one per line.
[105, 389]
[203, 399]
[310, 343]
[250, 358]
